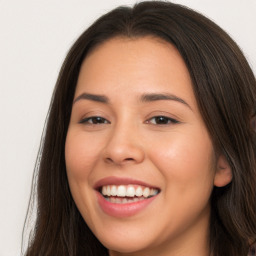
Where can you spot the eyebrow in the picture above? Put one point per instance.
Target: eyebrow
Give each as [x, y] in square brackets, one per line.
[93, 97]
[148, 97]
[163, 96]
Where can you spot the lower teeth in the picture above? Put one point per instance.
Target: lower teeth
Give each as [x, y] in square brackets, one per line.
[124, 200]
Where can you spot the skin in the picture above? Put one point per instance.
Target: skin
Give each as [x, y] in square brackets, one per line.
[177, 157]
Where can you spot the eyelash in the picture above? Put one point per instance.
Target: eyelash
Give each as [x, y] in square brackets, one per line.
[164, 120]
[94, 120]
[97, 120]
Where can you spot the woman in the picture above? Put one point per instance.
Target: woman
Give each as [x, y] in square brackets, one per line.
[149, 146]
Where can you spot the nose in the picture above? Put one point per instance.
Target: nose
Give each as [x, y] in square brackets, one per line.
[124, 146]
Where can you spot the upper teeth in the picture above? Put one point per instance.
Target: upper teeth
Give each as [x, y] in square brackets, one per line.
[128, 191]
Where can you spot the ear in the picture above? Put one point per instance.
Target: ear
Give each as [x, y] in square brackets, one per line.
[223, 175]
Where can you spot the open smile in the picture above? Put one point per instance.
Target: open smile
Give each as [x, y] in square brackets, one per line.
[123, 194]
[124, 197]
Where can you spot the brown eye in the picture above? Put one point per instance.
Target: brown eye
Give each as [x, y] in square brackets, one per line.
[162, 120]
[94, 120]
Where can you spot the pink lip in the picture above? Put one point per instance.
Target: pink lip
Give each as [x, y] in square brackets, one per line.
[112, 180]
[121, 210]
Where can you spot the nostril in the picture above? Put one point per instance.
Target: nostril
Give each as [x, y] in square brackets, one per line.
[125, 160]
[108, 159]
[128, 159]
[123, 154]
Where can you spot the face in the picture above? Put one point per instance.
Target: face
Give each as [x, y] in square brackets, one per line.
[140, 162]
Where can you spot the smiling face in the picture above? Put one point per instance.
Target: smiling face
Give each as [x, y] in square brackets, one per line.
[140, 162]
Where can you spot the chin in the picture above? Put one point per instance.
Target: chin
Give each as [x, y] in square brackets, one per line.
[125, 244]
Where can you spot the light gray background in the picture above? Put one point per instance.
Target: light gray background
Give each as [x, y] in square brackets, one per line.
[34, 38]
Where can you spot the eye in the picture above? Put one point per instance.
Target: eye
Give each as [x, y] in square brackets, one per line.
[94, 120]
[161, 120]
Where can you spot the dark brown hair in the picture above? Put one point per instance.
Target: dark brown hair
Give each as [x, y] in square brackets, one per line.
[225, 89]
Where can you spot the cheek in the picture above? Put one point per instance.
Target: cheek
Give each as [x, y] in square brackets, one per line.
[186, 162]
[81, 159]
[80, 156]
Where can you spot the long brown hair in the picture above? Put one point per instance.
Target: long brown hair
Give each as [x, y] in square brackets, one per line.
[225, 89]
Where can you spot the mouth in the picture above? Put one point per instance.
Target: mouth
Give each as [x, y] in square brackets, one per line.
[123, 197]
[125, 194]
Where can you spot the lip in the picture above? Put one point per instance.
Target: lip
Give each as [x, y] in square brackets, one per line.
[123, 210]
[126, 209]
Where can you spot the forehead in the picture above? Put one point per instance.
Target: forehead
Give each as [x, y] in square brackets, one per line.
[129, 65]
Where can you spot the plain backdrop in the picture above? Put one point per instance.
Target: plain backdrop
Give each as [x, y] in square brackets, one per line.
[35, 35]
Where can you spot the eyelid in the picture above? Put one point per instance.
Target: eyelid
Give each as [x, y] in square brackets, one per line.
[170, 120]
[86, 119]
[166, 114]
